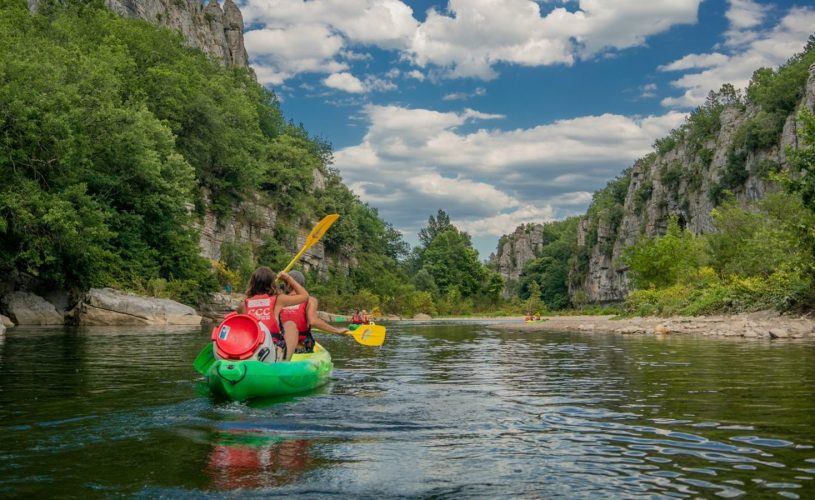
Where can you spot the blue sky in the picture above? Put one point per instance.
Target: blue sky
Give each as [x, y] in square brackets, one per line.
[503, 112]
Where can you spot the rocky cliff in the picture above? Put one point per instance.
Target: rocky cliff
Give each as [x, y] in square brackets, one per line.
[215, 30]
[686, 176]
[514, 250]
[251, 221]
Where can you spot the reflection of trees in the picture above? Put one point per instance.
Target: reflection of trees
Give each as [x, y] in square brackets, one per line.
[249, 459]
[719, 379]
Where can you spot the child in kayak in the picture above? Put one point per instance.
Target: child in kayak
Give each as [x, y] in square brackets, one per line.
[264, 301]
[304, 316]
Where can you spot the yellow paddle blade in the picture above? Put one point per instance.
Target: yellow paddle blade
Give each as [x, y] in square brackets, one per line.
[313, 237]
[320, 229]
[369, 334]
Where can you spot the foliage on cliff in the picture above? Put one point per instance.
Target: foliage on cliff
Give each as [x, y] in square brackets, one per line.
[757, 259]
[544, 281]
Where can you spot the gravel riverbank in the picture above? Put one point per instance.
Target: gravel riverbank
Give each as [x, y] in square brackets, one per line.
[762, 324]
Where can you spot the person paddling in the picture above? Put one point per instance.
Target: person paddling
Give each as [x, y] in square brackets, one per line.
[264, 301]
[356, 319]
[304, 316]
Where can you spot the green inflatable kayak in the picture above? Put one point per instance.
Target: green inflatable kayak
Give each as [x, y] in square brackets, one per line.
[242, 380]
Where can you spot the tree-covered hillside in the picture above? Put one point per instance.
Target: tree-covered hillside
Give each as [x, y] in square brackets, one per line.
[117, 138]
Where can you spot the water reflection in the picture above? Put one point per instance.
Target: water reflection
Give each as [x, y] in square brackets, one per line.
[441, 410]
[252, 459]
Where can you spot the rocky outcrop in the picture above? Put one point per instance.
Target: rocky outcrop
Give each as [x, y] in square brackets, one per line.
[28, 309]
[218, 32]
[253, 221]
[219, 305]
[109, 307]
[685, 180]
[514, 251]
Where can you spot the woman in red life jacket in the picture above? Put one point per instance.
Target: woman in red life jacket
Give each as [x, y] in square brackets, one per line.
[264, 301]
[356, 319]
[305, 316]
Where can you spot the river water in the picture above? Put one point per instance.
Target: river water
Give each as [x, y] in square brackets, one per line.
[442, 410]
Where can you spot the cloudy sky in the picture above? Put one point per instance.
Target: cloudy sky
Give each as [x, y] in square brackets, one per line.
[503, 112]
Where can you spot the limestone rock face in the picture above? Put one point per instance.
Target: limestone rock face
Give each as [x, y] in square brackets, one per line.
[253, 221]
[679, 183]
[514, 251]
[110, 307]
[217, 32]
[28, 309]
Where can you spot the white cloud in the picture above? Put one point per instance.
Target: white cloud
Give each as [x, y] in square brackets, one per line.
[694, 61]
[413, 161]
[345, 82]
[474, 35]
[460, 96]
[416, 74]
[466, 40]
[744, 14]
[750, 49]
[648, 90]
[500, 224]
[279, 54]
[349, 83]
[373, 83]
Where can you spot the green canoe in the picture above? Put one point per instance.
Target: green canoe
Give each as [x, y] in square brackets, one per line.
[242, 380]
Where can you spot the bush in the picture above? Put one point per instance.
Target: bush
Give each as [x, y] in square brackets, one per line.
[661, 261]
[237, 257]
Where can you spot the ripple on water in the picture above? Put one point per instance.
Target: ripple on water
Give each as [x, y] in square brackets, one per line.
[440, 410]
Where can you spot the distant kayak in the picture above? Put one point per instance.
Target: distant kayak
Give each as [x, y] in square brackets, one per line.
[354, 326]
[242, 380]
[535, 320]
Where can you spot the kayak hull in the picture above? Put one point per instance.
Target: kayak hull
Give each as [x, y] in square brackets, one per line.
[243, 380]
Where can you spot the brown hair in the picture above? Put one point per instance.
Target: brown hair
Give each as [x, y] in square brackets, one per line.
[262, 282]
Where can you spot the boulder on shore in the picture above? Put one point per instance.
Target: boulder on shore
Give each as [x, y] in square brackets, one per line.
[28, 309]
[219, 305]
[110, 307]
[422, 316]
[5, 321]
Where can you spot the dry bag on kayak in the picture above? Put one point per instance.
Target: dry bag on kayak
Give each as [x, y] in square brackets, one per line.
[242, 337]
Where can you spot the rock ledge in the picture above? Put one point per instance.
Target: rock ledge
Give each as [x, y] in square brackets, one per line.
[110, 307]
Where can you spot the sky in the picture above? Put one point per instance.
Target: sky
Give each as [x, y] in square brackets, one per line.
[503, 112]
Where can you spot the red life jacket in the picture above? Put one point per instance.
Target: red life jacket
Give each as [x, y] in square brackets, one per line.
[356, 319]
[262, 308]
[299, 315]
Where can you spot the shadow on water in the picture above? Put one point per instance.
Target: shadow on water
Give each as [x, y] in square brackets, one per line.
[442, 409]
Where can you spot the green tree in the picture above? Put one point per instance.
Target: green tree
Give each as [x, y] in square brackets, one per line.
[661, 261]
[453, 263]
[435, 226]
